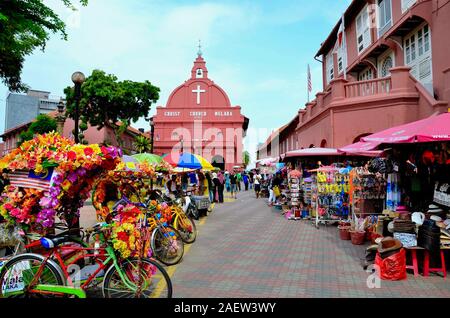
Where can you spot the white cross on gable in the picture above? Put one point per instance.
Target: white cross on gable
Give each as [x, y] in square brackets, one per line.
[198, 91]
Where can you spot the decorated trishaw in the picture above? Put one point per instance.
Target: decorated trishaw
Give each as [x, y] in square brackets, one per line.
[50, 178]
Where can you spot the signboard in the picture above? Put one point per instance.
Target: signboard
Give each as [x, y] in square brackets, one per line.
[14, 278]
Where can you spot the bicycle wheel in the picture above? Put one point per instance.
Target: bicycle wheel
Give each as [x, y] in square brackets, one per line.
[19, 271]
[167, 245]
[187, 228]
[155, 282]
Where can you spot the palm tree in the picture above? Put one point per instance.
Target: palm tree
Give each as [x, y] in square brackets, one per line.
[142, 144]
[246, 158]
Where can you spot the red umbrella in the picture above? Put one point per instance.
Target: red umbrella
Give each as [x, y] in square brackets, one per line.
[435, 128]
[362, 148]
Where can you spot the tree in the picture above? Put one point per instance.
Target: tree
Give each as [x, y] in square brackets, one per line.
[43, 124]
[24, 26]
[142, 144]
[107, 101]
[246, 158]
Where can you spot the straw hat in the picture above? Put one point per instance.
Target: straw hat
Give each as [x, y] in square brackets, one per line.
[432, 208]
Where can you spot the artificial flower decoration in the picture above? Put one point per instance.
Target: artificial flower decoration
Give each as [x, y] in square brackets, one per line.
[51, 176]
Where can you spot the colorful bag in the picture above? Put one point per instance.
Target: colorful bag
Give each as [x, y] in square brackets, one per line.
[276, 191]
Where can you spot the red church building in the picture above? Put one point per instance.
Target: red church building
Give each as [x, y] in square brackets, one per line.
[199, 119]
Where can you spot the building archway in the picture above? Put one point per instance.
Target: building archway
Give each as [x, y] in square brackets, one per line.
[358, 138]
[218, 162]
[323, 143]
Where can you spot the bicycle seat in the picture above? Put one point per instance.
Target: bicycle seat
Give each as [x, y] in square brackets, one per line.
[49, 243]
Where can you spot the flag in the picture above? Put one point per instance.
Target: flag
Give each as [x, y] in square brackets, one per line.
[309, 80]
[28, 179]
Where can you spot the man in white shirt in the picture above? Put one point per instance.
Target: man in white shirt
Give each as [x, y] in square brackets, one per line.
[257, 182]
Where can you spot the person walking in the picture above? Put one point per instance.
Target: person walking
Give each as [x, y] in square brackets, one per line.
[239, 181]
[221, 178]
[257, 181]
[233, 180]
[210, 186]
[184, 181]
[274, 182]
[227, 181]
[250, 179]
[245, 178]
[216, 186]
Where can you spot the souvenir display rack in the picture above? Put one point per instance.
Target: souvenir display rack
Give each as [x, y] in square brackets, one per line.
[368, 192]
[331, 194]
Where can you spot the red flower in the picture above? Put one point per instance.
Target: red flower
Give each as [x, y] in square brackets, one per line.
[88, 151]
[123, 236]
[71, 155]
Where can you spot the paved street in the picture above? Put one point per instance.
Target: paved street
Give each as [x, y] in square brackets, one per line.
[246, 249]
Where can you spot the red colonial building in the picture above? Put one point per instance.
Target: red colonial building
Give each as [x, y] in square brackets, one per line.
[198, 118]
[385, 63]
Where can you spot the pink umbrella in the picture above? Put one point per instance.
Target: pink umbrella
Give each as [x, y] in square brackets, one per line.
[362, 148]
[310, 152]
[435, 128]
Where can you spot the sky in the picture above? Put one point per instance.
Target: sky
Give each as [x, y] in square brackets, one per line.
[256, 50]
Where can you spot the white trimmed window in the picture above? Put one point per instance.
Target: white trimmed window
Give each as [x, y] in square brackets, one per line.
[385, 63]
[406, 4]
[341, 56]
[363, 38]
[366, 74]
[417, 48]
[330, 67]
[384, 16]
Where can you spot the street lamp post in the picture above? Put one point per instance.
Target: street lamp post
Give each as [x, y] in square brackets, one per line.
[78, 79]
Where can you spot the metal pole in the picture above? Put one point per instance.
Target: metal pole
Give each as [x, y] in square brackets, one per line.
[77, 107]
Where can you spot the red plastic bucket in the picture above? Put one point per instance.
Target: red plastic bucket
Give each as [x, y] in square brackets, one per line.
[357, 237]
[344, 233]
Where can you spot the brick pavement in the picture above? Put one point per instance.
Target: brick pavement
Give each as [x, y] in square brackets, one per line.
[246, 249]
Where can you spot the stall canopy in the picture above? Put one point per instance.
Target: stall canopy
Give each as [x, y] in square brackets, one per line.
[362, 148]
[435, 128]
[308, 152]
[267, 162]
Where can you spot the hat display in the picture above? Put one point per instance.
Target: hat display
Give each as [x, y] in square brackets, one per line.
[401, 209]
[432, 208]
[404, 226]
[389, 246]
[436, 218]
[418, 218]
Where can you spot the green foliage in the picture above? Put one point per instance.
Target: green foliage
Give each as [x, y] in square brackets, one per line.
[107, 101]
[142, 144]
[24, 26]
[246, 158]
[25, 136]
[43, 124]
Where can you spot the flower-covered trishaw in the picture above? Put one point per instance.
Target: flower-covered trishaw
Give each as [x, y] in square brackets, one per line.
[168, 227]
[50, 178]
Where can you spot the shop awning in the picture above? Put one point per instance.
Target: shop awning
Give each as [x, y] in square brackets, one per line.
[309, 152]
[435, 128]
[362, 148]
[267, 161]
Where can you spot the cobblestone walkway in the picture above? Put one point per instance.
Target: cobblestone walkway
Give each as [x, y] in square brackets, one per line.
[246, 249]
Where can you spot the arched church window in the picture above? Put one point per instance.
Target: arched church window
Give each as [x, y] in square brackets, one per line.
[199, 73]
[386, 66]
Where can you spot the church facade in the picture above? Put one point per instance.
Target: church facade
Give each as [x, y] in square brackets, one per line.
[199, 118]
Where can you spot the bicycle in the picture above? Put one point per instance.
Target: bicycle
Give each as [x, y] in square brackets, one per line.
[29, 275]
